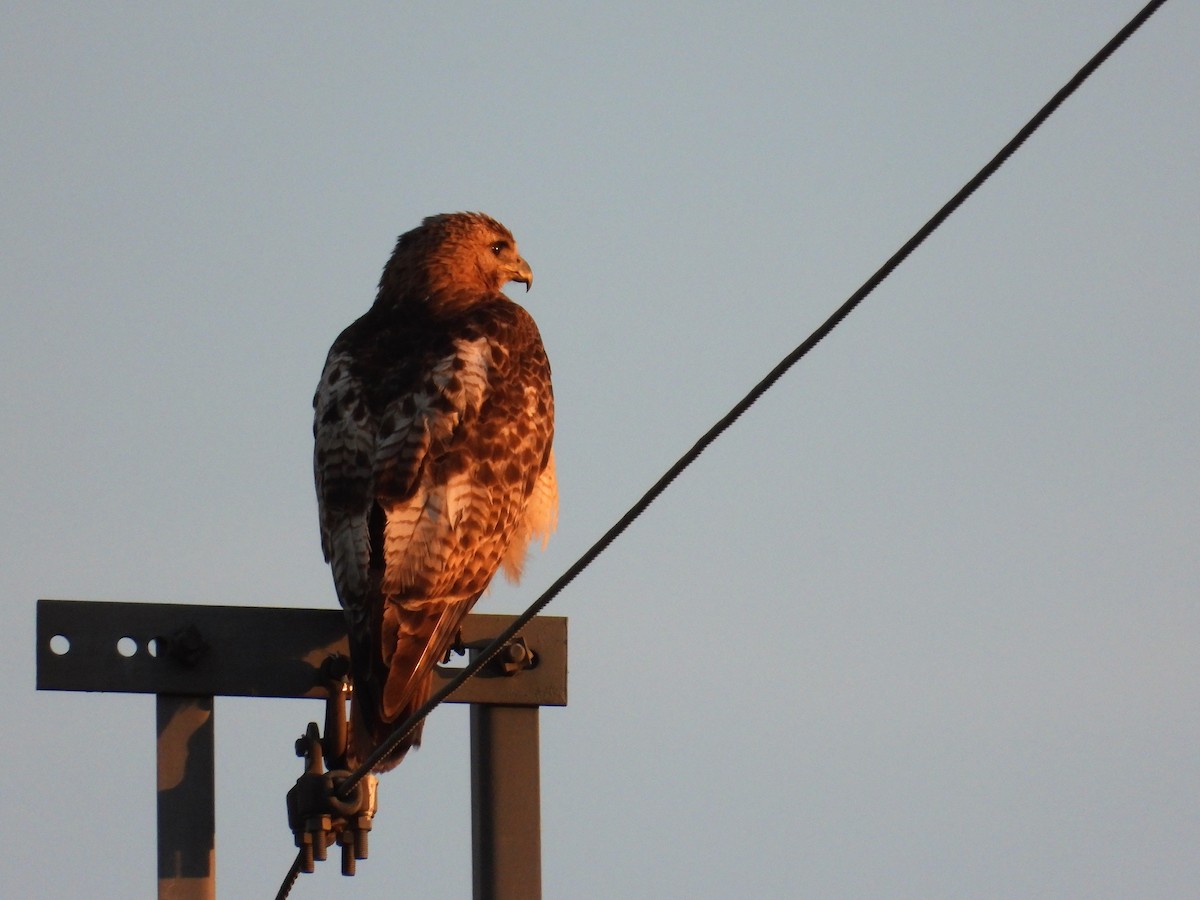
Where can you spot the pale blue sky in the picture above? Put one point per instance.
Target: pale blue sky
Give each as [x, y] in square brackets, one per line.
[924, 624]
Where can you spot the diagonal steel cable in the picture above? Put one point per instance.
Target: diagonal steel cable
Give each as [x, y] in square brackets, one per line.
[384, 749]
[726, 421]
[290, 880]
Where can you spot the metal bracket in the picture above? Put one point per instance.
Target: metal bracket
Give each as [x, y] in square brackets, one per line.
[257, 651]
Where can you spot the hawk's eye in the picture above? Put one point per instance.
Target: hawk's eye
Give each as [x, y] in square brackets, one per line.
[499, 247]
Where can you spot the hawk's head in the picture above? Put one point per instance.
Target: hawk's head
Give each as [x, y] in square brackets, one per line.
[454, 259]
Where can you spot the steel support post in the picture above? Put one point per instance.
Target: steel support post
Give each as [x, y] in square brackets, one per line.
[506, 825]
[186, 818]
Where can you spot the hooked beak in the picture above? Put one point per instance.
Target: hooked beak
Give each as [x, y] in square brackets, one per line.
[523, 274]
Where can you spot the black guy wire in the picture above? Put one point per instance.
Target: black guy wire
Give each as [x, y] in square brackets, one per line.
[290, 881]
[482, 658]
[383, 750]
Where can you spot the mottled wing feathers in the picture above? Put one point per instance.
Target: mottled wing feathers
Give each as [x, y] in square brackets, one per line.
[343, 460]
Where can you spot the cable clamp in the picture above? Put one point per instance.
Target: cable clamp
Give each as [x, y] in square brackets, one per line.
[317, 815]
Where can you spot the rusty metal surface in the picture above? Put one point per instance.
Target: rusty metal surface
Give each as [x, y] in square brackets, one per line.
[251, 651]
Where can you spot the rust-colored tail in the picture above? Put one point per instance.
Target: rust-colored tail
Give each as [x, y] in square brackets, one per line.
[389, 686]
[368, 729]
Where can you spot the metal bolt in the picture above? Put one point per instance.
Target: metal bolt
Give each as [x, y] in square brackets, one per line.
[515, 657]
[307, 864]
[187, 646]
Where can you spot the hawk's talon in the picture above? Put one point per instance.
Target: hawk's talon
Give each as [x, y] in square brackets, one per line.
[458, 648]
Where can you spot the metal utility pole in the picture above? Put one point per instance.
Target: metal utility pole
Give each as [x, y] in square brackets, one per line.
[187, 654]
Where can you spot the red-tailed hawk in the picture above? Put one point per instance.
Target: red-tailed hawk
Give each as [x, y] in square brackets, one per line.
[433, 462]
